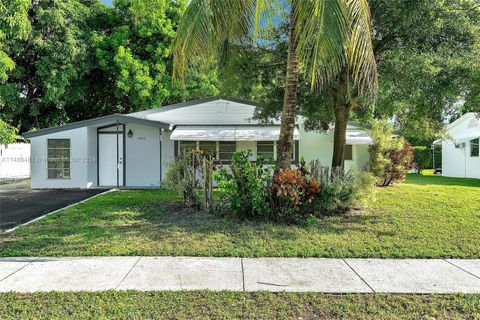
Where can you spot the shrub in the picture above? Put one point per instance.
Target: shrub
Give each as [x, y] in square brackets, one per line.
[189, 172]
[180, 178]
[252, 190]
[423, 158]
[244, 186]
[339, 191]
[390, 157]
[291, 191]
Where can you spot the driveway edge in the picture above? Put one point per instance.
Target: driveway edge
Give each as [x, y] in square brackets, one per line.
[55, 211]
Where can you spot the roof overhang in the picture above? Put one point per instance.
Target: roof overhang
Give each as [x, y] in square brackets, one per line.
[229, 133]
[94, 122]
[358, 137]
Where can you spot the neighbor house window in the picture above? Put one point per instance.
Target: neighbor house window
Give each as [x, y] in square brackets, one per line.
[58, 165]
[187, 146]
[348, 152]
[226, 150]
[210, 147]
[474, 147]
[266, 150]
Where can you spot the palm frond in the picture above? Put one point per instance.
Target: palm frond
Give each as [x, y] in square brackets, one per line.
[359, 48]
[205, 28]
[322, 29]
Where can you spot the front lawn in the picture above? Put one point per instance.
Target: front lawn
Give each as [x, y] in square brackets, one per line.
[235, 305]
[427, 216]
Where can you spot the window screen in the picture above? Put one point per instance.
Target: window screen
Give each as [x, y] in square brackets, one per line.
[187, 146]
[210, 147]
[265, 149]
[58, 158]
[474, 147]
[226, 150]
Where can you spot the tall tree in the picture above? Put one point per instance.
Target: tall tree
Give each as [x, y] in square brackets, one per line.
[84, 59]
[428, 57]
[14, 24]
[319, 33]
[49, 64]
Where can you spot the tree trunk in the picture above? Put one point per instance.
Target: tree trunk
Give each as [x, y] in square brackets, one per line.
[342, 109]
[285, 140]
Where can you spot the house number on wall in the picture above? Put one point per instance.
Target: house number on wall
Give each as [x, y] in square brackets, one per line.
[141, 138]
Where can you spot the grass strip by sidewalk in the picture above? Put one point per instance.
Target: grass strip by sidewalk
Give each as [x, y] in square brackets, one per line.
[235, 305]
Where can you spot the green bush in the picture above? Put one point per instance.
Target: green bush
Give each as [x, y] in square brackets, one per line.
[189, 172]
[390, 157]
[250, 190]
[339, 191]
[180, 178]
[243, 187]
[292, 192]
[423, 158]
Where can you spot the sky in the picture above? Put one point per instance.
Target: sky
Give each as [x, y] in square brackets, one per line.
[107, 2]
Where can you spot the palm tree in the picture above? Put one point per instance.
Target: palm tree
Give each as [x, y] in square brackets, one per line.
[325, 37]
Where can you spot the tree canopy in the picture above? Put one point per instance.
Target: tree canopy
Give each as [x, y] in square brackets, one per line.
[83, 59]
[428, 56]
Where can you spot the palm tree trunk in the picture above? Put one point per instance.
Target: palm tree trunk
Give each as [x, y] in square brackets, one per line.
[285, 140]
[342, 110]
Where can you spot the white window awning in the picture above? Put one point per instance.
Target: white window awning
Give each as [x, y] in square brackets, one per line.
[358, 137]
[229, 133]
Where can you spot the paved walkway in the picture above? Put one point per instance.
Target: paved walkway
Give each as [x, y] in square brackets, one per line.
[239, 274]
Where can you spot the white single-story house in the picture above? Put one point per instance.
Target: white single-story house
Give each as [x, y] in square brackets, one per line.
[133, 150]
[460, 149]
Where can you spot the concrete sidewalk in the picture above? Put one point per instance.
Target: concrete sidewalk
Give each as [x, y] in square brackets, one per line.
[240, 274]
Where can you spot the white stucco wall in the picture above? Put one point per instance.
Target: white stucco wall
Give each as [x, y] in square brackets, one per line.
[316, 145]
[14, 161]
[81, 156]
[457, 162]
[168, 151]
[472, 164]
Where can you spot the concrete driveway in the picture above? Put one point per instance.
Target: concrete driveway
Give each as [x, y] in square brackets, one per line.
[20, 204]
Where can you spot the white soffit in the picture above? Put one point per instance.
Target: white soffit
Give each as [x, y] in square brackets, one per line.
[358, 137]
[229, 133]
[466, 138]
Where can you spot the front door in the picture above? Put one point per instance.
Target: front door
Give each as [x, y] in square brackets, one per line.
[110, 171]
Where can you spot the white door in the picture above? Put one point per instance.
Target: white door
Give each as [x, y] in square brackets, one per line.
[107, 160]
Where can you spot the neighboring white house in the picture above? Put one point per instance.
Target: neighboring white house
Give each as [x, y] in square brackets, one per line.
[133, 150]
[460, 150]
[14, 161]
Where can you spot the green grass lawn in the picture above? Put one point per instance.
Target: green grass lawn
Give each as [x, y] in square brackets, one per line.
[232, 305]
[427, 216]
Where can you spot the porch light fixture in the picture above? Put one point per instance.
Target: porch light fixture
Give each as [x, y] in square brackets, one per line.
[130, 133]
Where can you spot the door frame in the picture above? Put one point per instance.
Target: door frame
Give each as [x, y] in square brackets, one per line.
[116, 132]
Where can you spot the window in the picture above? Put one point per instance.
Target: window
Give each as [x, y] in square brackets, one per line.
[210, 147]
[187, 146]
[474, 147]
[58, 156]
[265, 149]
[226, 150]
[348, 152]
